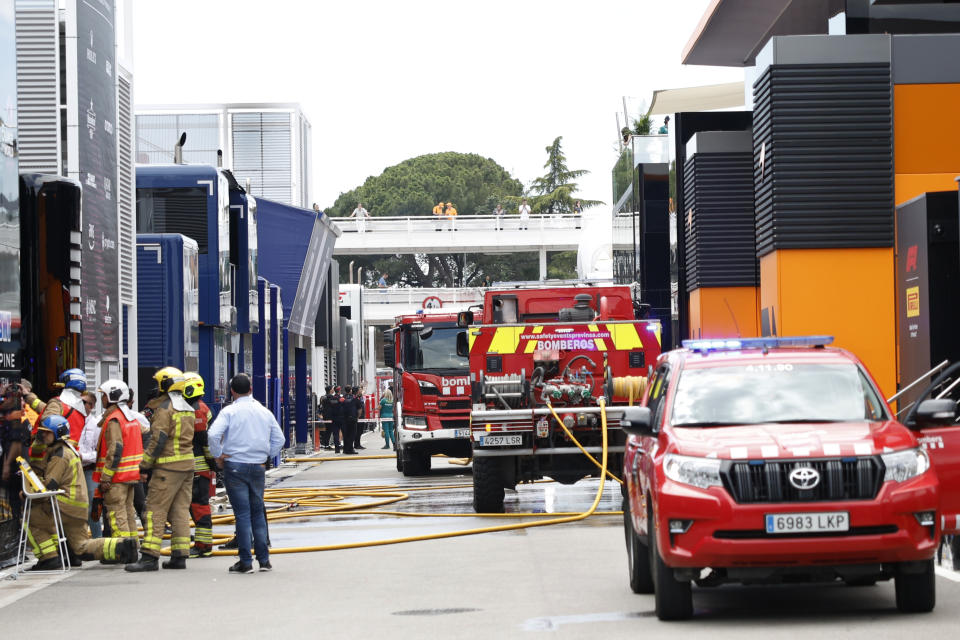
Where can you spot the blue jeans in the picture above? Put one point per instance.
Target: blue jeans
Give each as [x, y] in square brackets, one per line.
[244, 483]
[96, 529]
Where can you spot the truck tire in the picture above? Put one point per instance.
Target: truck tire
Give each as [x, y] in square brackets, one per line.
[673, 599]
[399, 459]
[638, 556]
[487, 485]
[916, 592]
[415, 463]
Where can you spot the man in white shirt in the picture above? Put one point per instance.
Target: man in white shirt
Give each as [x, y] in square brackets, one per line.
[524, 214]
[361, 215]
[87, 447]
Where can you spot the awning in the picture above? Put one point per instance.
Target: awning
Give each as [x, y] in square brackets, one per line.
[295, 246]
[706, 98]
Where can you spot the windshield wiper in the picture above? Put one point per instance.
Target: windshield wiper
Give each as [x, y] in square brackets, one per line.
[806, 420]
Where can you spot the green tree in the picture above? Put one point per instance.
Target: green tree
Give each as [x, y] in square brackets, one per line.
[555, 192]
[474, 184]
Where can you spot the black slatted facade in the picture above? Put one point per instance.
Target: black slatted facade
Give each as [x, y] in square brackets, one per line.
[718, 221]
[823, 157]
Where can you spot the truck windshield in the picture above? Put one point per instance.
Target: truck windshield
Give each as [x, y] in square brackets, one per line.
[438, 351]
[774, 392]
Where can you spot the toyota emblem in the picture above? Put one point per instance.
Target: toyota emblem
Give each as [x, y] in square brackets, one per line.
[804, 478]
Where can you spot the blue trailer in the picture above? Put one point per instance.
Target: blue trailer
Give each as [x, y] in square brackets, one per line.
[208, 205]
[167, 305]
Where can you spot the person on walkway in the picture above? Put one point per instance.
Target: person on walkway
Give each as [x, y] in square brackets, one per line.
[498, 217]
[524, 215]
[242, 438]
[451, 213]
[119, 453]
[14, 440]
[386, 418]
[361, 215]
[204, 468]
[665, 129]
[349, 408]
[326, 414]
[169, 457]
[62, 470]
[87, 447]
[361, 414]
[438, 216]
[140, 491]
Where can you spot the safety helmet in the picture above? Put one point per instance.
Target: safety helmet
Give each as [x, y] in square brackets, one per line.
[115, 390]
[74, 379]
[58, 425]
[190, 384]
[165, 376]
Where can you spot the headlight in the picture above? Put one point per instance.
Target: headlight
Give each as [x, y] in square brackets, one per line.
[903, 465]
[699, 472]
[427, 388]
[414, 422]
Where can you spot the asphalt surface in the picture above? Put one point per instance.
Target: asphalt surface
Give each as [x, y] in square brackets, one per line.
[563, 581]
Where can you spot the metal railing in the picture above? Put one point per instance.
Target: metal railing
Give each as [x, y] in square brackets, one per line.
[410, 224]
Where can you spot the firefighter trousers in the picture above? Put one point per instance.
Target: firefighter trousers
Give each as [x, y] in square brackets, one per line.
[43, 536]
[118, 505]
[204, 485]
[168, 498]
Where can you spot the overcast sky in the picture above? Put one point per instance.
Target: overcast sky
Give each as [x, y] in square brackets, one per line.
[385, 81]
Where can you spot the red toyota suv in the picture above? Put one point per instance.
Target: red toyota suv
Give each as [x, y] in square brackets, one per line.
[772, 460]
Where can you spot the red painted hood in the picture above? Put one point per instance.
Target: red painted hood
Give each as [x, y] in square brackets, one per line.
[794, 440]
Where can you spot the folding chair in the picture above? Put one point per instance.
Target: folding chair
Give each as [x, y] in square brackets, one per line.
[31, 494]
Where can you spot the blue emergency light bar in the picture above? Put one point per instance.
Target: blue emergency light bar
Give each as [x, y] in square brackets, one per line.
[738, 344]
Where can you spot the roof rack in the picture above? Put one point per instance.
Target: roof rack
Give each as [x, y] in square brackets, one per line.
[527, 284]
[739, 344]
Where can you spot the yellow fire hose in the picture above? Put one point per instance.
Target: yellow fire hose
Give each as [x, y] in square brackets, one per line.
[328, 498]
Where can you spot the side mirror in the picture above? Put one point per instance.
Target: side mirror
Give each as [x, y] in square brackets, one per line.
[464, 319]
[636, 421]
[463, 344]
[426, 333]
[935, 413]
[389, 355]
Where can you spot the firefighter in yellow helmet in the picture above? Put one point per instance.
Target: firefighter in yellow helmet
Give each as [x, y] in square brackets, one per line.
[169, 454]
[63, 470]
[204, 468]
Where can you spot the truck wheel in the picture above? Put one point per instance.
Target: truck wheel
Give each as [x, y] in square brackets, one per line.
[916, 592]
[638, 556]
[673, 598]
[399, 459]
[415, 463]
[487, 486]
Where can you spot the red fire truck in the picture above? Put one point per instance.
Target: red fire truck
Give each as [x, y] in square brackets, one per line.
[432, 389]
[563, 346]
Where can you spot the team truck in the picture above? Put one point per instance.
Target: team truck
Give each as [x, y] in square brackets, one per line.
[432, 390]
[545, 353]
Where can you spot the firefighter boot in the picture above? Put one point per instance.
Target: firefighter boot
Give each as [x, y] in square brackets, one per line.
[146, 563]
[175, 562]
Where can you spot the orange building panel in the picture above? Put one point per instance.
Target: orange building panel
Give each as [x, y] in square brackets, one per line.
[846, 293]
[720, 312]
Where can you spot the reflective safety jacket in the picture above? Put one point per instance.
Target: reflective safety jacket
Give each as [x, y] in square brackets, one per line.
[63, 469]
[120, 449]
[171, 435]
[56, 407]
[202, 459]
[438, 210]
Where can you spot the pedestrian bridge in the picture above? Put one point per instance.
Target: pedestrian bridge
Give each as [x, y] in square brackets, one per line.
[381, 306]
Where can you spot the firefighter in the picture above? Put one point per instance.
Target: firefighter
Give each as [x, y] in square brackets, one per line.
[204, 468]
[68, 404]
[119, 453]
[63, 470]
[170, 456]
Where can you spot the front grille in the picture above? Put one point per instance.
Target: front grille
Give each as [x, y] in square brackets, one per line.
[768, 481]
[454, 404]
[454, 424]
[757, 534]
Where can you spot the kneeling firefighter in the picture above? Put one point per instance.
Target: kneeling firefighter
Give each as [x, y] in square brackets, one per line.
[119, 453]
[68, 404]
[170, 456]
[204, 467]
[63, 470]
